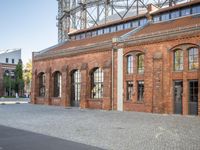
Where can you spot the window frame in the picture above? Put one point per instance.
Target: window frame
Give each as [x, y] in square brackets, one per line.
[97, 83]
[129, 90]
[57, 84]
[129, 64]
[179, 62]
[140, 91]
[165, 16]
[42, 81]
[185, 11]
[193, 56]
[140, 69]
[7, 60]
[76, 84]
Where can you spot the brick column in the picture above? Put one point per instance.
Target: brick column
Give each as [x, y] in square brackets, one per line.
[107, 88]
[185, 96]
[158, 101]
[34, 87]
[84, 86]
[48, 90]
[65, 90]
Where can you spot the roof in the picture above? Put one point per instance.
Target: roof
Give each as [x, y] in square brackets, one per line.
[109, 24]
[170, 25]
[9, 50]
[192, 2]
[137, 17]
[78, 45]
[160, 29]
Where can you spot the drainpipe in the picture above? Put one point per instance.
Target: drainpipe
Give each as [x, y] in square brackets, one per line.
[112, 88]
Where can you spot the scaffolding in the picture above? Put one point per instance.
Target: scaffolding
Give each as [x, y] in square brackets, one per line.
[75, 15]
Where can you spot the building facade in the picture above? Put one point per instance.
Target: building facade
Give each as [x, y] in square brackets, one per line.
[8, 61]
[146, 63]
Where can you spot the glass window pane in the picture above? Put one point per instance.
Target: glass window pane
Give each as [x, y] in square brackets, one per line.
[140, 63]
[193, 58]
[185, 12]
[97, 83]
[129, 64]
[178, 60]
[196, 9]
[175, 14]
[165, 17]
[156, 18]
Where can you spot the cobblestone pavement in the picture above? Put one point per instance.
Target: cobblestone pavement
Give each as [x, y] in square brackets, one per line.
[106, 129]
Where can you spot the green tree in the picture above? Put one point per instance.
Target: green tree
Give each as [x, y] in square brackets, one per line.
[19, 82]
[27, 76]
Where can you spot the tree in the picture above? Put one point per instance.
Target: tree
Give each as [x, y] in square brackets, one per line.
[19, 82]
[27, 76]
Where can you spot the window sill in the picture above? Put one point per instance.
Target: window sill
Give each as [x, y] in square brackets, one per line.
[140, 102]
[181, 71]
[195, 70]
[128, 101]
[56, 97]
[95, 99]
[40, 97]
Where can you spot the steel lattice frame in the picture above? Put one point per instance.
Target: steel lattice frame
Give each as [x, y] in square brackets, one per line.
[81, 14]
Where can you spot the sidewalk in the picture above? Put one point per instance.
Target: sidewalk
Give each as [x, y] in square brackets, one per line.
[14, 100]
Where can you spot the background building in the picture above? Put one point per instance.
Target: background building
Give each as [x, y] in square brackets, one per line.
[8, 61]
[148, 62]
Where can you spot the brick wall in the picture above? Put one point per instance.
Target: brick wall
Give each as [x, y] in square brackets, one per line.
[158, 76]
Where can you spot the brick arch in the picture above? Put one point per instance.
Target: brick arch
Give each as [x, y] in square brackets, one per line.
[184, 46]
[55, 71]
[93, 69]
[134, 52]
[74, 68]
[39, 73]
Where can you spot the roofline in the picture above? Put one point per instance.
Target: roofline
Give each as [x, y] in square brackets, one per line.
[192, 2]
[4, 51]
[130, 41]
[109, 24]
[136, 17]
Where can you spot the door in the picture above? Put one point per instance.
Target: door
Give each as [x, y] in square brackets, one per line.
[178, 91]
[193, 97]
[75, 88]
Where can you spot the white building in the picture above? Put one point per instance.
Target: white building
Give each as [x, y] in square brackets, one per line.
[8, 61]
[10, 56]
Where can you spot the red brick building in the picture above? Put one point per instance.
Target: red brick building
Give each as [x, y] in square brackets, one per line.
[146, 63]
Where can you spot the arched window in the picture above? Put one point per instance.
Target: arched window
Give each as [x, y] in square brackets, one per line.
[97, 83]
[140, 62]
[57, 84]
[75, 87]
[193, 55]
[42, 85]
[178, 60]
[129, 64]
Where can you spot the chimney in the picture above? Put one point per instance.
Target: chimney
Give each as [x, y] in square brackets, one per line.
[150, 8]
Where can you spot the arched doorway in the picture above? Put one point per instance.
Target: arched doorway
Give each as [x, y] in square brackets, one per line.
[75, 88]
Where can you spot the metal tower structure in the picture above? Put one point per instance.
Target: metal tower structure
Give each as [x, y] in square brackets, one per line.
[81, 14]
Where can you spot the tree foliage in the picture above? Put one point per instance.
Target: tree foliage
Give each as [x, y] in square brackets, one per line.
[27, 75]
[19, 82]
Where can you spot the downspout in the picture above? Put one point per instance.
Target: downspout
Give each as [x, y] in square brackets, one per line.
[112, 76]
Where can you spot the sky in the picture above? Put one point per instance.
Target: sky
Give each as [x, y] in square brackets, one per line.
[28, 24]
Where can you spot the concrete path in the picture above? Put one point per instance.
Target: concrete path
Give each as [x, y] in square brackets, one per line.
[111, 130]
[14, 100]
[15, 139]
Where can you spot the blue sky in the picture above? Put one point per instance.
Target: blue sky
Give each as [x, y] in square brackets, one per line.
[28, 24]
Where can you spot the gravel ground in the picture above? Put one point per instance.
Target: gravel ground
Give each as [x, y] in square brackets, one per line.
[110, 130]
